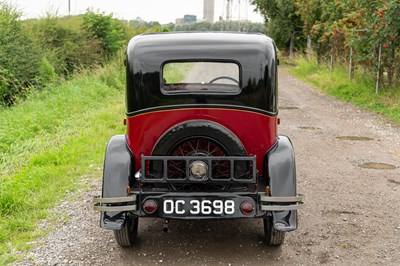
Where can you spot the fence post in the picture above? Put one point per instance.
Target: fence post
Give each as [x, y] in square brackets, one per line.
[378, 74]
[291, 45]
[351, 63]
[309, 47]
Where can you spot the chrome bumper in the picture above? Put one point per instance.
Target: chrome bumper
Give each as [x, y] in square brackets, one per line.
[119, 204]
[281, 203]
[268, 203]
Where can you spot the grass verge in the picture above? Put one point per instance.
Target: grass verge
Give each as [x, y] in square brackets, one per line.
[47, 144]
[360, 91]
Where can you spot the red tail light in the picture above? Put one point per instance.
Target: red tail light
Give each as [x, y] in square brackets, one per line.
[150, 206]
[247, 207]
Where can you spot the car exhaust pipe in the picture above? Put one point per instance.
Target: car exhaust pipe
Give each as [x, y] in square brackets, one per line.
[166, 226]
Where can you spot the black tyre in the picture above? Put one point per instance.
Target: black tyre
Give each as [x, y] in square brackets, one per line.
[127, 235]
[272, 236]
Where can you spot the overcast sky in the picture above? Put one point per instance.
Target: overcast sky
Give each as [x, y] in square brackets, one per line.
[164, 11]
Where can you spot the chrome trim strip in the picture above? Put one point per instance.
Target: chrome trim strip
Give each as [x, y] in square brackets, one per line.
[223, 107]
[114, 208]
[115, 200]
[299, 197]
[297, 203]
[282, 208]
[101, 204]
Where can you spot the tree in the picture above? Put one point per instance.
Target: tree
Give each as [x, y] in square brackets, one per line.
[367, 26]
[283, 23]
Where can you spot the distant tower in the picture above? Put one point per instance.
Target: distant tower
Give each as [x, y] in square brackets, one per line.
[236, 10]
[208, 10]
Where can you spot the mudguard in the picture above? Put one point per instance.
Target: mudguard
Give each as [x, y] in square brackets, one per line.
[281, 168]
[117, 170]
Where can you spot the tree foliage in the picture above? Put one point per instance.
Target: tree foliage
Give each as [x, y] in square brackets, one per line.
[282, 21]
[338, 26]
[363, 25]
[109, 31]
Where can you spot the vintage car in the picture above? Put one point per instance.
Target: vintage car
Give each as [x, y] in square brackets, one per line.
[201, 136]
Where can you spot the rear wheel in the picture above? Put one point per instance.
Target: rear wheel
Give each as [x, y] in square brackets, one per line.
[199, 138]
[198, 146]
[272, 236]
[127, 235]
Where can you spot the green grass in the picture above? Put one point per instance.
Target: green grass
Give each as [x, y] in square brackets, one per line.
[360, 91]
[47, 144]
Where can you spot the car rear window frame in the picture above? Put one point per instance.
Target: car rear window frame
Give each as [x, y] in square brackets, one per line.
[235, 91]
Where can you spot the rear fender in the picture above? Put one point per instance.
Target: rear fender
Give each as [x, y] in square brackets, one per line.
[281, 167]
[118, 163]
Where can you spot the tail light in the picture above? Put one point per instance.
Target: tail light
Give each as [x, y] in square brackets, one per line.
[150, 206]
[247, 207]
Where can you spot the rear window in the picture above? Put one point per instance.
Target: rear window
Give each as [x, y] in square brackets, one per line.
[201, 78]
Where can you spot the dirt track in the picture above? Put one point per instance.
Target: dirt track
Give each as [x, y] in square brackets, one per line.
[351, 217]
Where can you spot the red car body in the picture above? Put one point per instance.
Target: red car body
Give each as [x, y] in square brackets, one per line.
[257, 132]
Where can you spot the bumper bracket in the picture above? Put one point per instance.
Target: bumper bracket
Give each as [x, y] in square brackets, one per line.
[119, 204]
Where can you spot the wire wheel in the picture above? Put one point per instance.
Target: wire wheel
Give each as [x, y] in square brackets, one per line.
[196, 138]
[198, 146]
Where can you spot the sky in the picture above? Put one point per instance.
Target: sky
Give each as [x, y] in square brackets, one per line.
[163, 11]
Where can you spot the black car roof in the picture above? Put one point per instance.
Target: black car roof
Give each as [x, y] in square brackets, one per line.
[193, 45]
[254, 52]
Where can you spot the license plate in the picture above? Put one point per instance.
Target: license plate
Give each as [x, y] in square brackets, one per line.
[199, 207]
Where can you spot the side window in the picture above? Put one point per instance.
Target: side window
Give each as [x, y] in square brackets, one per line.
[201, 78]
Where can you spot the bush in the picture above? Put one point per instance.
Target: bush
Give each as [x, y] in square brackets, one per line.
[69, 47]
[9, 87]
[36, 52]
[48, 74]
[20, 56]
[109, 31]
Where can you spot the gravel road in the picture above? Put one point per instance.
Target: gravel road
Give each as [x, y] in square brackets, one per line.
[351, 217]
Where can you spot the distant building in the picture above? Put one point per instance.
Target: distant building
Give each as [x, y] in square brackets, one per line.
[187, 19]
[179, 21]
[208, 10]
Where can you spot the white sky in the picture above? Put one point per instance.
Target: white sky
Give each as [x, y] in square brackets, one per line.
[163, 11]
